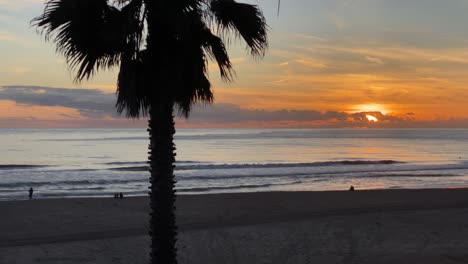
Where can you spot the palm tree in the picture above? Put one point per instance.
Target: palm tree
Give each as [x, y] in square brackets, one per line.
[162, 48]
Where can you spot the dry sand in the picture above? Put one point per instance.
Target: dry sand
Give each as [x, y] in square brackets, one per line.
[388, 226]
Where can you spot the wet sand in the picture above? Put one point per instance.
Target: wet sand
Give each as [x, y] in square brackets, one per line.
[385, 226]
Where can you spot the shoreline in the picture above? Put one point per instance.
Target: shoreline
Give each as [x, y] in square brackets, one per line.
[183, 194]
[396, 220]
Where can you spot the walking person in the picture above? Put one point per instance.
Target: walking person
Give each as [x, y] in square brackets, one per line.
[30, 193]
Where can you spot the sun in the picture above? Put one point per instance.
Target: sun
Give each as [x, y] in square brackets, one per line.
[372, 118]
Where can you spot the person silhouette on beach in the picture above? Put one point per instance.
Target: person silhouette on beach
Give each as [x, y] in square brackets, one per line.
[30, 193]
[351, 189]
[121, 195]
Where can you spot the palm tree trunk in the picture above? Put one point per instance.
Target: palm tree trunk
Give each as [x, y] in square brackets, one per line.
[163, 229]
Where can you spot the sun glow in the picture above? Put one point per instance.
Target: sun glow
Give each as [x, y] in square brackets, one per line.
[372, 118]
[370, 108]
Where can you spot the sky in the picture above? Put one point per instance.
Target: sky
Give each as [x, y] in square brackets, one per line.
[330, 64]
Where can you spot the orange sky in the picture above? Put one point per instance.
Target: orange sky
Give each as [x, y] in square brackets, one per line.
[406, 60]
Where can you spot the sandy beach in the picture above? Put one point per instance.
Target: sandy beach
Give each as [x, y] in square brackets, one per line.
[385, 226]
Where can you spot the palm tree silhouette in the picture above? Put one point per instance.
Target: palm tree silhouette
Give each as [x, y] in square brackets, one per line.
[162, 48]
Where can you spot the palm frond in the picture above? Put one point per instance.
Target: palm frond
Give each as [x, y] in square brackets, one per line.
[198, 91]
[214, 47]
[196, 87]
[88, 42]
[244, 20]
[195, 41]
[133, 19]
[132, 96]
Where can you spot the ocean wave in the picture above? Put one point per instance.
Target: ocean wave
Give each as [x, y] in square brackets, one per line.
[248, 176]
[271, 178]
[234, 187]
[124, 162]
[136, 168]
[424, 134]
[85, 189]
[287, 165]
[21, 166]
[333, 133]
[91, 139]
[319, 176]
[267, 165]
[69, 183]
[146, 162]
[408, 175]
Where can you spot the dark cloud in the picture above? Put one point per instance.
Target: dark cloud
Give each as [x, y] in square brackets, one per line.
[229, 113]
[90, 103]
[96, 105]
[222, 113]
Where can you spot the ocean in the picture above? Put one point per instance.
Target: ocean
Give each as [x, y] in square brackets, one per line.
[100, 162]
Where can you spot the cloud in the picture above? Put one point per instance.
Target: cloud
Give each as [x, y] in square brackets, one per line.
[229, 114]
[374, 60]
[309, 37]
[221, 113]
[90, 103]
[95, 108]
[347, 71]
[21, 70]
[94, 103]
